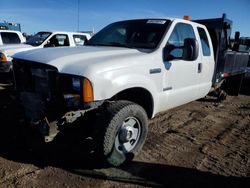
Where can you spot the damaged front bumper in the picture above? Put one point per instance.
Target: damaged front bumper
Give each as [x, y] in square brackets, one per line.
[44, 119]
[49, 99]
[50, 129]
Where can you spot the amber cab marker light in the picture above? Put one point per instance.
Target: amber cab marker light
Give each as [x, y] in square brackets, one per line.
[186, 17]
[87, 91]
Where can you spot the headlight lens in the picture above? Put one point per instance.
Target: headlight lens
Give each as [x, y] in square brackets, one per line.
[70, 84]
[71, 89]
[76, 89]
[76, 84]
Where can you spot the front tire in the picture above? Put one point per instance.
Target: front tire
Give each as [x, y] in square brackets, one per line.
[124, 130]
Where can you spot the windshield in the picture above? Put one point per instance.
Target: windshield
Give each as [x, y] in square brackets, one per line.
[131, 34]
[38, 38]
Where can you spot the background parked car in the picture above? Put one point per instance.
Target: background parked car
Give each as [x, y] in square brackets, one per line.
[40, 40]
[11, 37]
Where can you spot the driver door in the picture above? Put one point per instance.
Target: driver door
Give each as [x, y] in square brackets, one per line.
[181, 77]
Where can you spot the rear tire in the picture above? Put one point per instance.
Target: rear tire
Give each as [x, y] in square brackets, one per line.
[124, 127]
[222, 95]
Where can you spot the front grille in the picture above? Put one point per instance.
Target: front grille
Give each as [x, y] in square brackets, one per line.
[39, 89]
[35, 77]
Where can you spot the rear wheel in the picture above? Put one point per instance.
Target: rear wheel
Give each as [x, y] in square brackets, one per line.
[124, 129]
[221, 96]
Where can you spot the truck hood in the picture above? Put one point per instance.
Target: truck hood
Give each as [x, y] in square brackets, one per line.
[75, 60]
[11, 49]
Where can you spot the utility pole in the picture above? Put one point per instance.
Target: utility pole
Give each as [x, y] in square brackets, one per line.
[78, 4]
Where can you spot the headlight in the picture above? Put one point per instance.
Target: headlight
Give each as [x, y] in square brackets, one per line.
[3, 57]
[76, 90]
[70, 84]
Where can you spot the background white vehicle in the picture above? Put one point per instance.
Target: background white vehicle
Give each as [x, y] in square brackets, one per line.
[40, 40]
[128, 72]
[11, 37]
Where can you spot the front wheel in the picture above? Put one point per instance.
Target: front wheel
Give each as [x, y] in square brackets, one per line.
[124, 128]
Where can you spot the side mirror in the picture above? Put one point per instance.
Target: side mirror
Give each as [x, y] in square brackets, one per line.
[24, 34]
[190, 49]
[167, 56]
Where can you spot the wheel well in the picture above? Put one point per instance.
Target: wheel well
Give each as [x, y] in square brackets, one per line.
[139, 96]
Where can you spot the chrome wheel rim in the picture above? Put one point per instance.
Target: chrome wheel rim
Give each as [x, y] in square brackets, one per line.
[128, 135]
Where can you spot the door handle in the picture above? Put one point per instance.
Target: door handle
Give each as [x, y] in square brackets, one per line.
[199, 67]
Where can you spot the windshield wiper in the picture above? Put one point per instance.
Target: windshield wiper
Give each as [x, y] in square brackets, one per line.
[116, 44]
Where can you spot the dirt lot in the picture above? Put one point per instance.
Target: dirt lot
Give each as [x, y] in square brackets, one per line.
[203, 143]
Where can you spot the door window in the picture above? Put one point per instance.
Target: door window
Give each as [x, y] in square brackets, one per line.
[79, 39]
[59, 40]
[179, 34]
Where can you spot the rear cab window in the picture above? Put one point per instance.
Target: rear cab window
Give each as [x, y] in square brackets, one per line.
[10, 38]
[204, 42]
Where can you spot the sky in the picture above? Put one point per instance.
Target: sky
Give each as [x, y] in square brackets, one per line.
[37, 15]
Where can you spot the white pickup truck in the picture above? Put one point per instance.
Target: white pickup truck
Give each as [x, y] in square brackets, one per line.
[40, 40]
[11, 37]
[128, 72]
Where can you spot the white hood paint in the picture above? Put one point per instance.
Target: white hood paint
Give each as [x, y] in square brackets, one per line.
[11, 49]
[76, 60]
